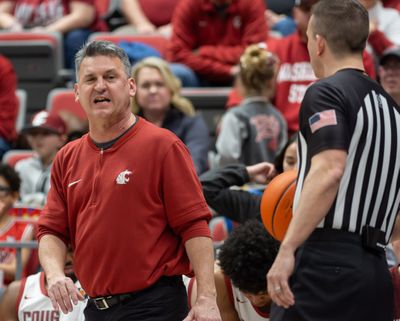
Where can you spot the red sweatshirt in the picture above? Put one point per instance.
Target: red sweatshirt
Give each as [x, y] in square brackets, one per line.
[8, 100]
[211, 43]
[127, 211]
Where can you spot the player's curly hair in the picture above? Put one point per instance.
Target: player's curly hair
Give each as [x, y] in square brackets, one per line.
[247, 255]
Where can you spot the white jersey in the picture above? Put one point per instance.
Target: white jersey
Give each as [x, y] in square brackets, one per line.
[245, 310]
[34, 304]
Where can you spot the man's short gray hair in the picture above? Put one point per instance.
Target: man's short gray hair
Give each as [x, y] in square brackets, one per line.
[102, 48]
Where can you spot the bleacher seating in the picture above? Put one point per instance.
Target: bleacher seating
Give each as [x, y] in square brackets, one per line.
[156, 41]
[64, 99]
[209, 102]
[12, 156]
[37, 59]
[22, 101]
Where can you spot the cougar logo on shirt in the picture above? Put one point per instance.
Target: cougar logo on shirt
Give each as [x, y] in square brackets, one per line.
[123, 177]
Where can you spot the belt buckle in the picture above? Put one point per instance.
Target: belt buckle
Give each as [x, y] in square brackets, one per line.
[103, 303]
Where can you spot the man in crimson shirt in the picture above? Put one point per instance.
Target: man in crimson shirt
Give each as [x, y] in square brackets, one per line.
[8, 103]
[210, 35]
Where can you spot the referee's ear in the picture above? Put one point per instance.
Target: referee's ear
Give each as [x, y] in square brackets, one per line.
[321, 44]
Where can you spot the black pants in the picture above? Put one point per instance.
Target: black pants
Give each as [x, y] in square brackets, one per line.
[166, 300]
[336, 279]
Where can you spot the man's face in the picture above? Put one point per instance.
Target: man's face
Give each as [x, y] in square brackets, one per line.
[389, 75]
[104, 90]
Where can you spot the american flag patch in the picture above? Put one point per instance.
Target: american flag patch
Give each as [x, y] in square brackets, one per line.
[322, 119]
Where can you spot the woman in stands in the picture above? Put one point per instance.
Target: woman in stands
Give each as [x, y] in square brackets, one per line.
[158, 100]
[255, 131]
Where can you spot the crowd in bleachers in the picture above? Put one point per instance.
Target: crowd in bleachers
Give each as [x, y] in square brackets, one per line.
[254, 51]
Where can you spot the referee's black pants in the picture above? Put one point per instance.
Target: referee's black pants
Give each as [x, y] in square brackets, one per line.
[337, 279]
[166, 300]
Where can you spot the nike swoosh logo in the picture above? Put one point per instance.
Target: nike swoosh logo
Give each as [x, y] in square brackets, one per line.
[75, 182]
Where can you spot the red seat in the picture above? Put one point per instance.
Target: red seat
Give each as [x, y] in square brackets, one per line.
[156, 41]
[60, 99]
[12, 156]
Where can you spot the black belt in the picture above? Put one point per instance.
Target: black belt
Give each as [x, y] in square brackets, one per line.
[371, 239]
[106, 302]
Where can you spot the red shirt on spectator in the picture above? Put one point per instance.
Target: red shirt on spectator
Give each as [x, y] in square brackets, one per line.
[159, 12]
[8, 100]
[210, 41]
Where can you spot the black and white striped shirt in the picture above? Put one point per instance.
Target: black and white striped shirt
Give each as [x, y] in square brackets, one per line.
[351, 112]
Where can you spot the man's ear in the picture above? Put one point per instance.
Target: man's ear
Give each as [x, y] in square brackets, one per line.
[76, 91]
[321, 43]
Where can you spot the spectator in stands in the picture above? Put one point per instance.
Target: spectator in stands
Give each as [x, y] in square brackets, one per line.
[147, 16]
[26, 299]
[75, 19]
[46, 135]
[158, 100]
[244, 258]
[210, 35]
[11, 230]
[389, 72]
[384, 26]
[295, 73]
[255, 131]
[9, 105]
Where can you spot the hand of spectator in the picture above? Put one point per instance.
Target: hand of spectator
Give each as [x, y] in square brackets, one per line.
[261, 173]
[165, 30]
[62, 291]
[38, 29]
[272, 18]
[205, 309]
[15, 27]
[373, 25]
[145, 28]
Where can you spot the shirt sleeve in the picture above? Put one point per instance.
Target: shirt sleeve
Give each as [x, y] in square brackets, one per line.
[53, 218]
[185, 206]
[323, 119]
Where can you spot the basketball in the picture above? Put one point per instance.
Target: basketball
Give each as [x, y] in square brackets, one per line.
[277, 203]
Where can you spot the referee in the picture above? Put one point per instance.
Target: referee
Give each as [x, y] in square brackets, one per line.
[331, 264]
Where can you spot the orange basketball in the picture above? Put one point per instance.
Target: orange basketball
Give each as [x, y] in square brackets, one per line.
[277, 203]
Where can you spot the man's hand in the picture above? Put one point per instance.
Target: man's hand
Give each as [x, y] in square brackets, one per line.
[61, 291]
[278, 278]
[205, 309]
[261, 173]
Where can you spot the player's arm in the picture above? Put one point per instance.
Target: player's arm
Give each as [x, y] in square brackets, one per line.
[201, 255]
[8, 306]
[225, 306]
[61, 289]
[318, 194]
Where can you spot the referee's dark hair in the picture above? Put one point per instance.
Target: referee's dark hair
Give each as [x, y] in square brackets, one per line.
[247, 255]
[343, 23]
